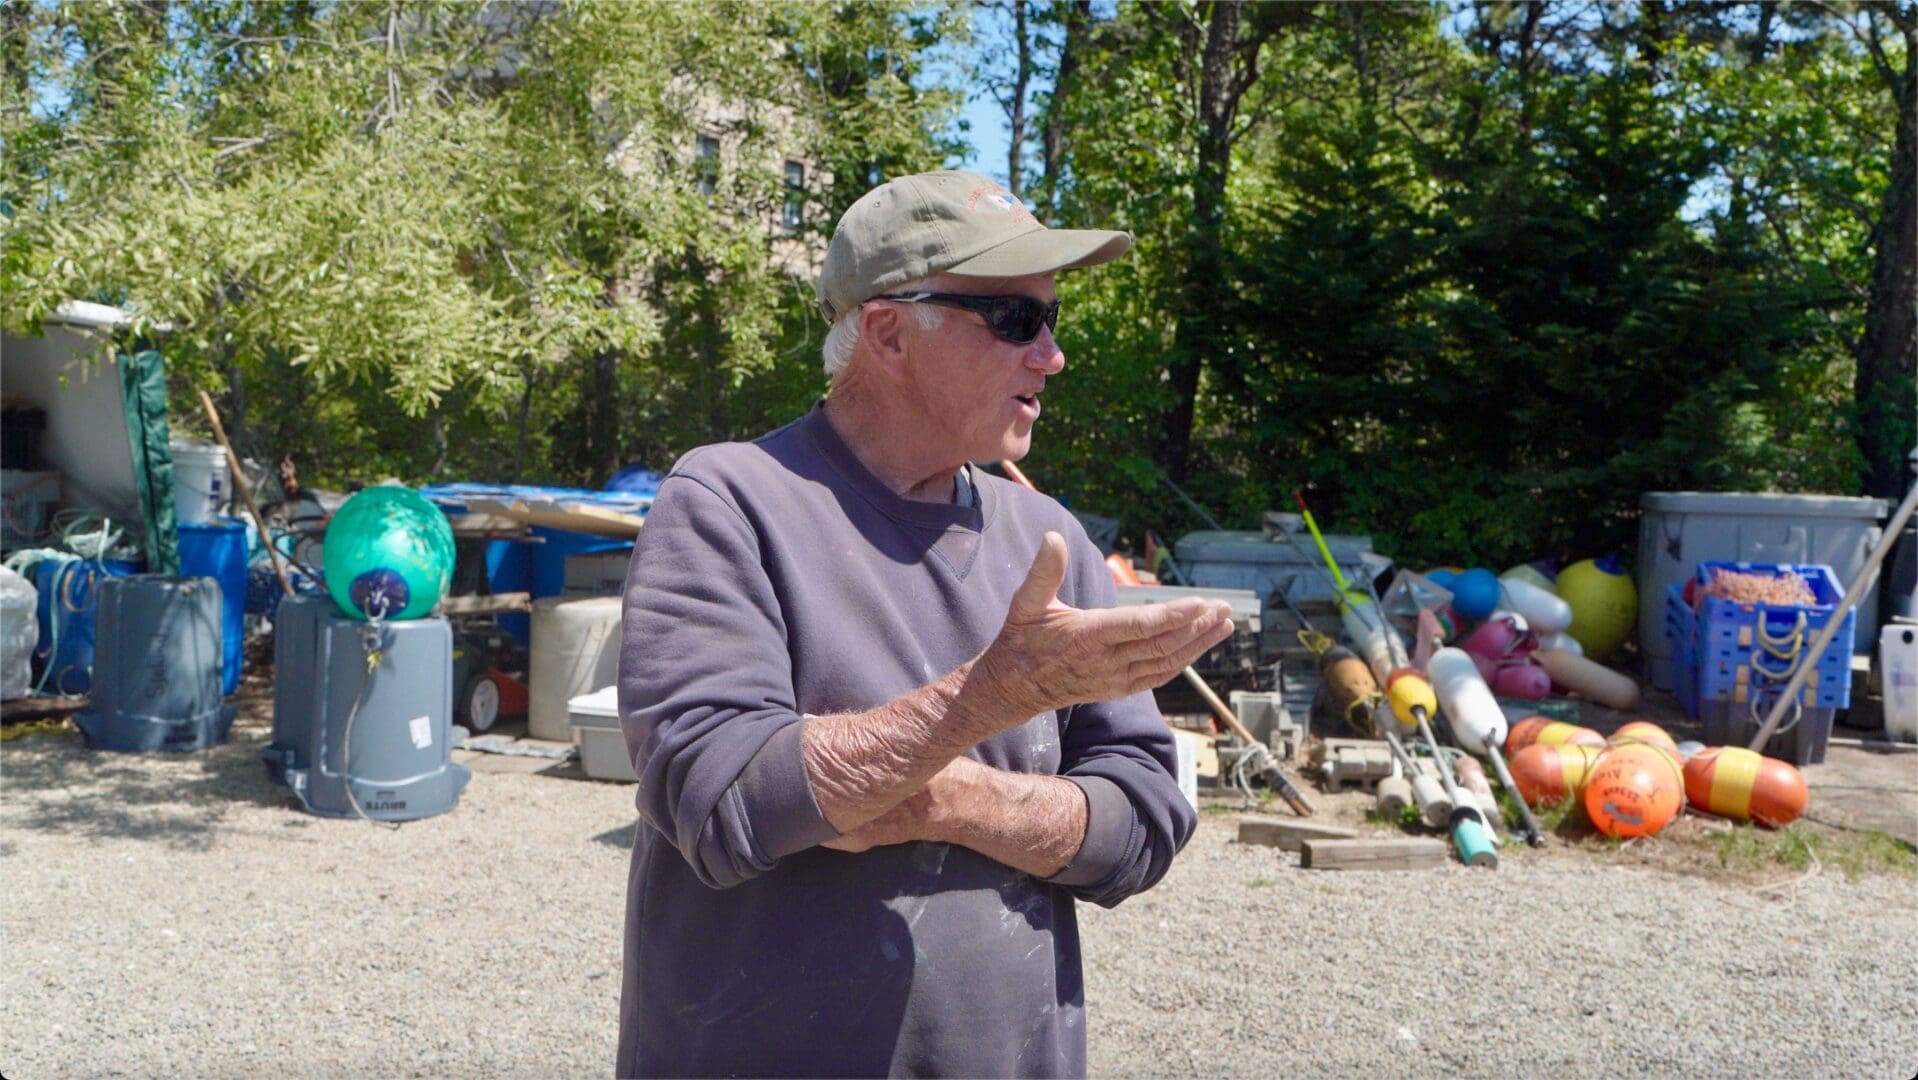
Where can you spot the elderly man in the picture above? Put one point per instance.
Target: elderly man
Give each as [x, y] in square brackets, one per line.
[886, 723]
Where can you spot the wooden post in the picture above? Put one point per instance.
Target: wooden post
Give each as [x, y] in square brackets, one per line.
[246, 493]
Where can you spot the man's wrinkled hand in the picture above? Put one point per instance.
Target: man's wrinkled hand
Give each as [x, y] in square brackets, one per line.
[1049, 655]
[917, 818]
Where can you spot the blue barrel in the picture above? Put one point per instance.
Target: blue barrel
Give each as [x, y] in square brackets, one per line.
[68, 597]
[217, 549]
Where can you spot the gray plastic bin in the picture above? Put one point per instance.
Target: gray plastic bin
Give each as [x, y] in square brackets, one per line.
[156, 667]
[1681, 529]
[399, 761]
[1274, 569]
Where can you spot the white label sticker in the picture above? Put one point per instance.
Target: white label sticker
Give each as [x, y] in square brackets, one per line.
[422, 729]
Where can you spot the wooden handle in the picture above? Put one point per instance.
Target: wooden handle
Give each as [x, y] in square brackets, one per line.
[246, 493]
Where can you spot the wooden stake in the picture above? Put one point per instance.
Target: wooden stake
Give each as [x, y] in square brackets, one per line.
[246, 493]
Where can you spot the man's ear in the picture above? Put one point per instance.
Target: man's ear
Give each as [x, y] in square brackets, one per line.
[883, 331]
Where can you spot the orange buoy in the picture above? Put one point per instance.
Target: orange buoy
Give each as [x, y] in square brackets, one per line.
[1121, 569]
[1643, 731]
[1737, 783]
[1635, 789]
[1547, 731]
[1549, 773]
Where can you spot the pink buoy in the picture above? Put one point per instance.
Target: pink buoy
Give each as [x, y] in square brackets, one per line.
[1526, 681]
[1496, 638]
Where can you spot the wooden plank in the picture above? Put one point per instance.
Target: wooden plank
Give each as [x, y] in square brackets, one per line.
[33, 708]
[586, 519]
[492, 604]
[1418, 854]
[1288, 835]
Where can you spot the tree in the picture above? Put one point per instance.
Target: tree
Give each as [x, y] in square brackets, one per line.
[433, 216]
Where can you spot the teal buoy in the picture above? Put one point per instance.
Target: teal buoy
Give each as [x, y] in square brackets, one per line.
[388, 554]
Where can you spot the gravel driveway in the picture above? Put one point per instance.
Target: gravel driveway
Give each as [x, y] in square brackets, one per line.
[173, 915]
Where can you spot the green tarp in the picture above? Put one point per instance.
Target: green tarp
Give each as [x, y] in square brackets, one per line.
[143, 386]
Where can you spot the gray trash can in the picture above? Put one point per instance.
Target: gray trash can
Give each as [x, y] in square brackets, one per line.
[395, 763]
[156, 667]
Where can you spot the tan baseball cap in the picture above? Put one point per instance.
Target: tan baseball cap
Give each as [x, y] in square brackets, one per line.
[914, 227]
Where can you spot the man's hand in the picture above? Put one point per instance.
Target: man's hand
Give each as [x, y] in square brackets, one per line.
[1049, 656]
[916, 818]
[1028, 822]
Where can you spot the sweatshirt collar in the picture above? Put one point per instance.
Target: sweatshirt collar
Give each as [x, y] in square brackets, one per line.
[819, 432]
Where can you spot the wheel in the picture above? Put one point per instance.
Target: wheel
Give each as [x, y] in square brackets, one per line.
[479, 703]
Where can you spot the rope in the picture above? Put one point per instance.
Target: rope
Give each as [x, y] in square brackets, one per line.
[370, 633]
[1251, 763]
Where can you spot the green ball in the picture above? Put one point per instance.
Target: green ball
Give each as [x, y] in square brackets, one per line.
[388, 551]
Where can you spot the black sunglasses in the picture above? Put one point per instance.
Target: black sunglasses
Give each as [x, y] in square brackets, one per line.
[1014, 318]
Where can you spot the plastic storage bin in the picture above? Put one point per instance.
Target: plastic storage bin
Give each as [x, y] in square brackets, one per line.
[1273, 569]
[156, 682]
[1680, 529]
[602, 745]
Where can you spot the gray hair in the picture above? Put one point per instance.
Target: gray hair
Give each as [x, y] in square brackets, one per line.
[843, 337]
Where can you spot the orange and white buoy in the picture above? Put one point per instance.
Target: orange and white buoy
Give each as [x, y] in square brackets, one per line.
[1545, 730]
[1635, 789]
[1737, 783]
[1643, 731]
[1550, 773]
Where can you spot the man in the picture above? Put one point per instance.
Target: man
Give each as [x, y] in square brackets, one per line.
[886, 723]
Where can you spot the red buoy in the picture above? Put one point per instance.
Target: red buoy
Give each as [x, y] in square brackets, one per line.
[1737, 783]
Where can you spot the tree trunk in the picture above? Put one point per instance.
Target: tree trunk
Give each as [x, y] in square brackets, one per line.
[16, 30]
[1077, 14]
[602, 418]
[1198, 332]
[1885, 387]
[1016, 111]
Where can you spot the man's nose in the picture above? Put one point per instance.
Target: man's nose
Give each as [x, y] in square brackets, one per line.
[1044, 355]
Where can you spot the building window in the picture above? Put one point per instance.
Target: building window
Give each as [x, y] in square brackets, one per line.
[795, 195]
[706, 164]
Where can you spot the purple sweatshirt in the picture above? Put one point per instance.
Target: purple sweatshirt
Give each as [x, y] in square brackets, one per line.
[780, 578]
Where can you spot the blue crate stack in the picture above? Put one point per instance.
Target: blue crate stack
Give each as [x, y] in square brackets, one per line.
[1734, 659]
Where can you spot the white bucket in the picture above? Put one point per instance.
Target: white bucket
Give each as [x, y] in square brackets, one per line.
[199, 482]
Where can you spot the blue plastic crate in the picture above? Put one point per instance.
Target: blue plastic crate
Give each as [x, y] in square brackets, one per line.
[1750, 650]
[1681, 629]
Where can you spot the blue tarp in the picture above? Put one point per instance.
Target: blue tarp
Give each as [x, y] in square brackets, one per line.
[625, 502]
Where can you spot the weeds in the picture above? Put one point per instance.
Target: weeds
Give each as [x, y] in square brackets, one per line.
[1855, 853]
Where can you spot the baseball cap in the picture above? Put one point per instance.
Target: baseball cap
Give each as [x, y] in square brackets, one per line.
[948, 222]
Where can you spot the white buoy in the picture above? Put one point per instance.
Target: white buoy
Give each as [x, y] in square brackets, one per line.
[1562, 641]
[1546, 613]
[1477, 720]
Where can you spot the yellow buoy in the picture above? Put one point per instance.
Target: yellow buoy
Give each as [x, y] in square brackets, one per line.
[1604, 604]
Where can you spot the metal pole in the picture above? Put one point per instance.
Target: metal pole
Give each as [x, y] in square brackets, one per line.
[1859, 583]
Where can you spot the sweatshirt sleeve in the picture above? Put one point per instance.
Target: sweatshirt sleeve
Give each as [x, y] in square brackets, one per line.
[706, 695]
[1121, 754]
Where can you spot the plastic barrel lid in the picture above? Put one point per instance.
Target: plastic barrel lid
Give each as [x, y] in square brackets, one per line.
[1764, 504]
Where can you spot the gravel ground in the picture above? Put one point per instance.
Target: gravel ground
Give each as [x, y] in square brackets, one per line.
[174, 915]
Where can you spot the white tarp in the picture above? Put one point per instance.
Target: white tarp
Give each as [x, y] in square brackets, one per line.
[73, 376]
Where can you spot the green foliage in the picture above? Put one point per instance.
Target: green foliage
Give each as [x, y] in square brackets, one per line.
[1479, 297]
[1485, 273]
[454, 238]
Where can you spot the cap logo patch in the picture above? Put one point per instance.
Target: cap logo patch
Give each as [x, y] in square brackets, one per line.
[997, 198]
